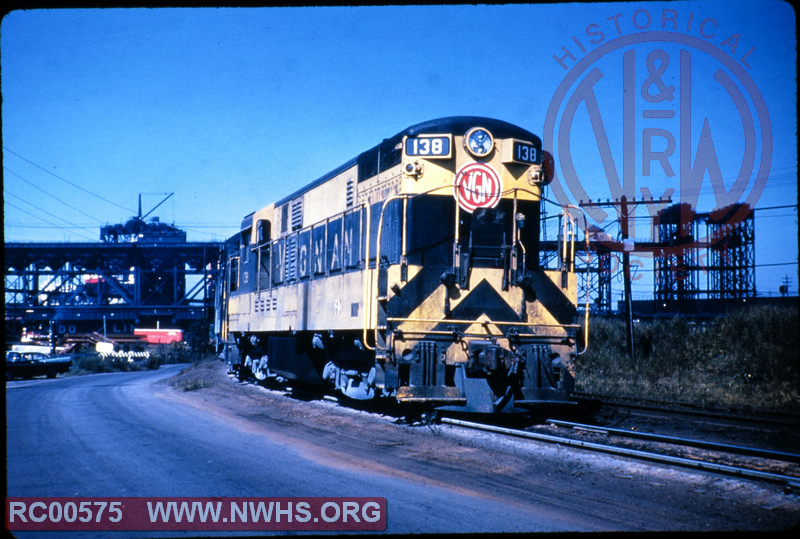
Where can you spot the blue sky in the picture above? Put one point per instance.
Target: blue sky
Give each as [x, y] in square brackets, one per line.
[231, 109]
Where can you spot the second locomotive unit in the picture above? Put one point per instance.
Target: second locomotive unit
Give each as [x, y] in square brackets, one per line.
[410, 272]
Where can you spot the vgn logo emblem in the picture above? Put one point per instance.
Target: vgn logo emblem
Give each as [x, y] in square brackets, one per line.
[477, 185]
[663, 115]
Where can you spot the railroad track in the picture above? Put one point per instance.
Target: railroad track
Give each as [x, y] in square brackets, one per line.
[776, 467]
[700, 444]
[736, 414]
[709, 462]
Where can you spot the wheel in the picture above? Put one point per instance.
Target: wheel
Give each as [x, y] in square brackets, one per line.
[260, 369]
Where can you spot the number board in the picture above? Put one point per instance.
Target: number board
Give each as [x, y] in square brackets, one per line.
[521, 152]
[429, 146]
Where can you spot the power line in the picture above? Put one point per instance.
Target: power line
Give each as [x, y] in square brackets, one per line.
[776, 207]
[705, 189]
[51, 195]
[777, 264]
[6, 193]
[43, 219]
[39, 226]
[67, 181]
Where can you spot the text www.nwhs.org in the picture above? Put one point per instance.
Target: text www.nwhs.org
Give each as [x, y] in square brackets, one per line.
[264, 512]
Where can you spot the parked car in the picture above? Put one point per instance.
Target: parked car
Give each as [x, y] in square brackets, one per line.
[30, 364]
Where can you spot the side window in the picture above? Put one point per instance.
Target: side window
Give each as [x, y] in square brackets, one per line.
[234, 274]
[318, 250]
[284, 211]
[245, 244]
[334, 247]
[264, 232]
[276, 257]
[352, 239]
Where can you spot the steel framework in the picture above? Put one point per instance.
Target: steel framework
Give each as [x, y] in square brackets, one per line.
[81, 286]
[705, 256]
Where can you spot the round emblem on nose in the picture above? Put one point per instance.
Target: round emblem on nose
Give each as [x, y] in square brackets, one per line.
[477, 185]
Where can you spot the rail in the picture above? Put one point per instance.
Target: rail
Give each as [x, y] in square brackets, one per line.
[700, 444]
[788, 481]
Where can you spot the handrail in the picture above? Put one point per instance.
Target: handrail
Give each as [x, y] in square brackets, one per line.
[404, 197]
[586, 239]
[367, 278]
[481, 322]
[515, 229]
[568, 231]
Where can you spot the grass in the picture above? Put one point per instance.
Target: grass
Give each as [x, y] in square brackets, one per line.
[748, 358]
[92, 362]
[198, 375]
[202, 372]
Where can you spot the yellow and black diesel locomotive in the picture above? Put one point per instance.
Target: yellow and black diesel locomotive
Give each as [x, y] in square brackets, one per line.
[410, 272]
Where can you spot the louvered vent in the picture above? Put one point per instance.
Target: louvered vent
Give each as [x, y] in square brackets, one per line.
[291, 258]
[351, 192]
[297, 214]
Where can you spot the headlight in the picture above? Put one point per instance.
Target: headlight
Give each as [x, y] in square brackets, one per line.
[478, 141]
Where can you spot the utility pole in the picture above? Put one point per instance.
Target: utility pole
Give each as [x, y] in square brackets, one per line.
[626, 268]
[627, 248]
[784, 288]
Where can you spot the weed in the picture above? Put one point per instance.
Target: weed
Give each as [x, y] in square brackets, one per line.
[746, 358]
